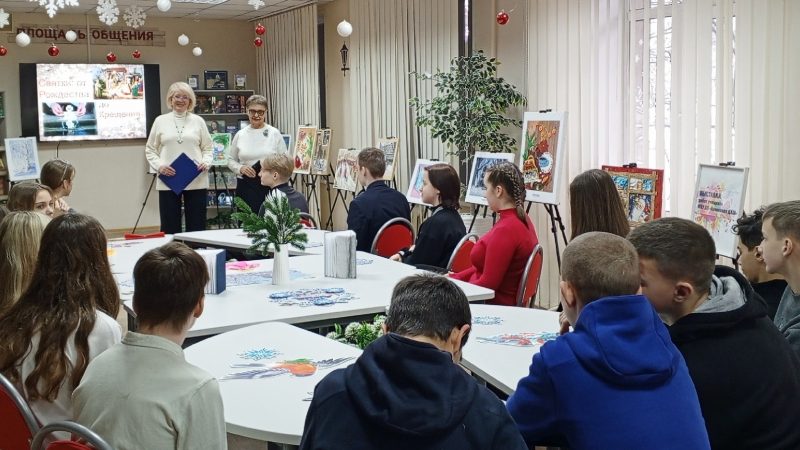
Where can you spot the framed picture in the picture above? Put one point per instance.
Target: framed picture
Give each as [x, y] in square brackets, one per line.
[414, 192]
[541, 155]
[640, 190]
[476, 190]
[389, 147]
[22, 156]
[240, 81]
[718, 202]
[319, 163]
[215, 79]
[215, 126]
[345, 177]
[193, 81]
[220, 147]
[304, 147]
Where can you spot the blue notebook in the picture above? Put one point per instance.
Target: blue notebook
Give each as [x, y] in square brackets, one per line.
[185, 172]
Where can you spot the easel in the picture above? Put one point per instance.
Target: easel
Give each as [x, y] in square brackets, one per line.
[340, 193]
[144, 203]
[555, 217]
[311, 189]
[735, 259]
[215, 202]
[476, 212]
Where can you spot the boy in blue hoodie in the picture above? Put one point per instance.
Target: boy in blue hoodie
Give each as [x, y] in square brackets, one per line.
[617, 381]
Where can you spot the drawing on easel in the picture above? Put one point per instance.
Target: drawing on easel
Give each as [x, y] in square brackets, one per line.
[718, 202]
[414, 193]
[345, 176]
[220, 148]
[304, 149]
[319, 163]
[22, 157]
[640, 190]
[542, 154]
[389, 148]
[476, 190]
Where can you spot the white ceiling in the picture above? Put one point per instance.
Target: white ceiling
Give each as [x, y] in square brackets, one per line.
[228, 10]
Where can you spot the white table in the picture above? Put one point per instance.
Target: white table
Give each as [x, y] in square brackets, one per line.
[123, 254]
[241, 306]
[503, 365]
[270, 409]
[237, 239]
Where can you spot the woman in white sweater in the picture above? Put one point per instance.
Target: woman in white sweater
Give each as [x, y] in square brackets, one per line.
[250, 145]
[174, 133]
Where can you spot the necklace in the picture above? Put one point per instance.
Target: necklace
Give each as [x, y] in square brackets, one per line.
[179, 130]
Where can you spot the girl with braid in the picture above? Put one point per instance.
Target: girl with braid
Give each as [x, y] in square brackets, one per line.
[499, 257]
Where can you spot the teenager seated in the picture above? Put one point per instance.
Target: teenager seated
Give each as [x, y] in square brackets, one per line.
[499, 257]
[20, 236]
[617, 381]
[443, 230]
[746, 375]
[64, 319]
[407, 391]
[377, 204]
[30, 196]
[142, 393]
[595, 205]
[768, 286]
[59, 175]
[276, 169]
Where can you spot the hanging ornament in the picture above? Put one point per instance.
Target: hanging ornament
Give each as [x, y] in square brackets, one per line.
[134, 16]
[53, 50]
[107, 11]
[258, 42]
[344, 29]
[197, 51]
[183, 40]
[260, 29]
[111, 57]
[71, 36]
[137, 54]
[52, 6]
[502, 17]
[163, 5]
[3, 51]
[5, 18]
[22, 39]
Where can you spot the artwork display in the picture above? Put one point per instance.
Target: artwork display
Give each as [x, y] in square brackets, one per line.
[345, 177]
[542, 154]
[319, 163]
[193, 81]
[22, 157]
[302, 367]
[220, 148]
[215, 79]
[640, 190]
[718, 202]
[519, 339]
[476, 190]
[414, 193]
[240, 81]
[304, 147]
[389, 148]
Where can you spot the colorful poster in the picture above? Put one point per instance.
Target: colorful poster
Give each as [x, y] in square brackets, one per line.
[414, 193]
[542, 154]
[346, 177]
[640, 190]
[718, 202]
[389, 148]
[220, 147]
[319, 164]
[304, 147]
[476, 190]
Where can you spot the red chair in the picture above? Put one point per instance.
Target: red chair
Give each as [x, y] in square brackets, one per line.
[459, 260]
[18, 422]
[394, 235]
[307, 221]
[86, 439]
[529, 284]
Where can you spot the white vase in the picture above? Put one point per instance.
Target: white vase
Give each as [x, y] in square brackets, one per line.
[280, 266]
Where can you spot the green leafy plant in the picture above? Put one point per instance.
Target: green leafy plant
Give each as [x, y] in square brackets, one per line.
[359, 334]
[468, 111]
[280, 224]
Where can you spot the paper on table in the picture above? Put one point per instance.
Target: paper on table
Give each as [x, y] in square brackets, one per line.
[340, 254]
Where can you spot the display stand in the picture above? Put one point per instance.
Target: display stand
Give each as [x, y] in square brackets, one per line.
[734, 260]
[216, 192]
[311, 192]
[476, 212]
[555, 218]
[340, 193]
[144, 203]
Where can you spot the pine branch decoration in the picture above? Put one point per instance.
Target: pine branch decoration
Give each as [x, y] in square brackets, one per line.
[280, 224]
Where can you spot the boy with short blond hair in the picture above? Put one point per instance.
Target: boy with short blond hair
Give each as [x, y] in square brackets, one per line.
[780, 249]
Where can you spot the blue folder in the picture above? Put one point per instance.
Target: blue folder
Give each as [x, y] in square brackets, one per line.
[185, 172]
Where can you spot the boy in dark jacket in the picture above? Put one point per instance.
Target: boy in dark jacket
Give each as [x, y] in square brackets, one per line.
[406, 390]
[746, 375]
[617, 381]
[768, 286]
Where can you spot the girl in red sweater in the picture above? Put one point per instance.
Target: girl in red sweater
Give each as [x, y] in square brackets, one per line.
[499, 257]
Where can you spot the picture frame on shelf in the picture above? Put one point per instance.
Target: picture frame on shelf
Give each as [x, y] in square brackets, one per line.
[240, 81]
[215, 79]
[193, 81]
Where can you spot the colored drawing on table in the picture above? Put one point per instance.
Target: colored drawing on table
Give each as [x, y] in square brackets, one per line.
[487, 320]
[312, 297]
[247, 278]
[258, 354]
[242, 266]
[121, 244]
[519, 339]
[363, 261]
[302, 367]
[111, 251]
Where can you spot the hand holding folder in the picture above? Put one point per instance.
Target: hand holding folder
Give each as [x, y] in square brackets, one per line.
[186, 171]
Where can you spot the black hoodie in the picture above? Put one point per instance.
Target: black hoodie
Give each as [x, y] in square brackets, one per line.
[746, 375]
[404, 394]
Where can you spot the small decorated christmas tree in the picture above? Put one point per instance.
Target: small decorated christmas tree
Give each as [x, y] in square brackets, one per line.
[280, 224]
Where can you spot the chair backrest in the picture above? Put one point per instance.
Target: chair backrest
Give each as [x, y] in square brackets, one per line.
[307, 220]
[529, 284]
[18, 422]
[87, 439]
[395, 235]
[459, 260]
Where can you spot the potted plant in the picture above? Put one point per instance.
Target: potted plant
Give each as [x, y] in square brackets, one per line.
[275, 231]
[359, 334]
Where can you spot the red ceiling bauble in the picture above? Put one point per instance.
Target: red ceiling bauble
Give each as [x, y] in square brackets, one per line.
[258, 42]
[502, 17]
[53, 50]
[111, 57]
[137, 54]
[3, 51]
[260, 29]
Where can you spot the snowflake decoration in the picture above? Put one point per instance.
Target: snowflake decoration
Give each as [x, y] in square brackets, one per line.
[257, 354]
[52, 6]
[255, 3]
[4, 16]
[107, 11]
[134, 16]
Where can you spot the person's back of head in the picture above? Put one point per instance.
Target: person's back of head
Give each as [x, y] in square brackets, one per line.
[444, 178]
[55, 172]
[781, 243]
[373, 161]
[279, 163]
[169, 283]
[595, 205]
[20, 236]
[748, 228]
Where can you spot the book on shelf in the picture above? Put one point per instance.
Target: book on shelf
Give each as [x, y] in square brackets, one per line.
[215, 262]
[231, 128]
[204, 104]
[232, 104]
